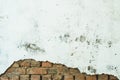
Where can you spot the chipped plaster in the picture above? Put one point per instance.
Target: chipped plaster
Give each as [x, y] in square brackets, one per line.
[78, 33]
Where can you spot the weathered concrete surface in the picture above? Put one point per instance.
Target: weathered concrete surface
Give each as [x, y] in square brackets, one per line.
[78, 33]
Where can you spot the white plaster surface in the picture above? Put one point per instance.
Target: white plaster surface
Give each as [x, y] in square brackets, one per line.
[78, 33]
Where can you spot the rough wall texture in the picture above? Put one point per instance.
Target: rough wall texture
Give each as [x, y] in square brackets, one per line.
[30, 69]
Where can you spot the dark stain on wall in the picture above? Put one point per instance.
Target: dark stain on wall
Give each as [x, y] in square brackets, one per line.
[91, 69]
[82, 38]
[65, 38]
[32, 47]
[109, 44]
[111, 67]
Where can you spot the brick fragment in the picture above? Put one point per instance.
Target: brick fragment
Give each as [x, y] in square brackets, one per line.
[35, 63]
[89, 77]
[4, 78]
[46, 64]
[57, 77]
[14, 77]
[36, 70]
[46, 77]
[25, 63]
[15, 71]
[80, 76]
[68, 77]
[52, 71]
[24, 77]
[103, 77]
[15, 64]
[113, 77]
[63, 70]
[35, 77]
[74, 71]
[57, 65]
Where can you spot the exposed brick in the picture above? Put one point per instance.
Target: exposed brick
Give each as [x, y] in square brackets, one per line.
[46, 64]
[4, 78]
[57, 65]
[30, 69]
[14, 77]
[46, 77]
[25, 63]
[74, 71]
[36, 70]
[63, 70]
[52, 71]
[80, 76]
[57, 77]
[24, 77]
[15, 71]
[68, 77]
[15, 64]
[91, 77]
[35, 63]
[113, 77]
[35, 77]
[103, 77]
[20, 70]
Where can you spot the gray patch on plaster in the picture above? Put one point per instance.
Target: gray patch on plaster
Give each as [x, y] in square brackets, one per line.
[90, 61]
[31, 47]
[91, 69]
[81, 38]
[98, 41]
[115, 54]
[2, 18]
[65, 38]
[112, 68]
[88, 42]
[72, 54]
[109, 44]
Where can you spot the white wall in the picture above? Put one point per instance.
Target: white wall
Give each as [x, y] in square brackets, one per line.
[78, 33]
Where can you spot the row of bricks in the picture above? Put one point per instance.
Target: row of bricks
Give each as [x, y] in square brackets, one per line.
[32, 63]
[43, 71]
[36, 70]
[58, 77]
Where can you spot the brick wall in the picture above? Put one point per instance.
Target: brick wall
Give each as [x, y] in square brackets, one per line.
[30, 69]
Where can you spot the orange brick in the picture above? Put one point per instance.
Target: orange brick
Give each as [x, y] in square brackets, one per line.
[25, 63]
[46, 77]
[46, 64]
[35, 63]
[68, 77]
[35, 77]
[13, 77]
[63, 70]
[103, 77]
[15, 64]
[80, 76]
[4, 78]
[52, 71]
[36, 70]
[24, 77]
[15, 71]
[91, 77]
[57, 77]
[20, 71]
